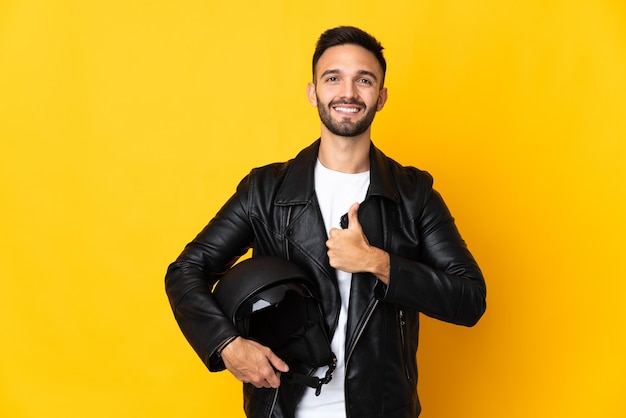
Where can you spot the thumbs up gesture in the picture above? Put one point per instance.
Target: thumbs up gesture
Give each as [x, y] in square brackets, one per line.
[350, 251]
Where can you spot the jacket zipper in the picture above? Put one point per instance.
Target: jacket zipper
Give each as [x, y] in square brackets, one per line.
[287, 234]
[271, 410]
[361, 329]
[402, 321]
[356, 340]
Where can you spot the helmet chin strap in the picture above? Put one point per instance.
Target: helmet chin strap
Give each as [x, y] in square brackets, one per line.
[311, 381]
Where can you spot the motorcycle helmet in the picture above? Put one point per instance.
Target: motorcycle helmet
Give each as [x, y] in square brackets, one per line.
[272, 301]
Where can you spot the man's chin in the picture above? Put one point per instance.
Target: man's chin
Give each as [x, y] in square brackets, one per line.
[345, 128]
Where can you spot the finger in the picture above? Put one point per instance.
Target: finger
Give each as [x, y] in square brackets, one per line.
[353, 217]
[265, 384]
[278, 363]
[270, 378]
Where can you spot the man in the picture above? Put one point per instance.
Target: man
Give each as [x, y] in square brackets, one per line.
[376, 238]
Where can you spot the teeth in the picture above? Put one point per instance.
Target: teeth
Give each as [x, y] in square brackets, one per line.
[347, 109]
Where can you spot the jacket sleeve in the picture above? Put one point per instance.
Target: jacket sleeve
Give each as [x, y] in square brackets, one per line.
[190, 279]
[442, 280]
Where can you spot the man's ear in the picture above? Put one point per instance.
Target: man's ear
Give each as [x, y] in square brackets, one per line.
[382, 99]
[311, 95]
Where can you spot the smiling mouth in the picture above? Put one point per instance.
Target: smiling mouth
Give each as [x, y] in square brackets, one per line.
[343, 109]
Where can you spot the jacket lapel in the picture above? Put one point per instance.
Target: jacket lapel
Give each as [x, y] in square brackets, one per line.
[374, 222]
[305, 230]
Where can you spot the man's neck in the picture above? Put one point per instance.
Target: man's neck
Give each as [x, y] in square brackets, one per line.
[345, 154]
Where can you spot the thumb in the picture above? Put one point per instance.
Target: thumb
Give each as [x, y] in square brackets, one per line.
[353, 217]
[278, 363]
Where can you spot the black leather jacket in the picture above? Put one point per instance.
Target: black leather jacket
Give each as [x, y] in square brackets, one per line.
[275, 211]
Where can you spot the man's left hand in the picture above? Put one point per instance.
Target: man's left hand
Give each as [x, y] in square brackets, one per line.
[350, 251]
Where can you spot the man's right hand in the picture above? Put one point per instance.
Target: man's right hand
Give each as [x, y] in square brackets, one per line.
[251, 362]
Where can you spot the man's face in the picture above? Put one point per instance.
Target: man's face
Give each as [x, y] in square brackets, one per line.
[347, 89]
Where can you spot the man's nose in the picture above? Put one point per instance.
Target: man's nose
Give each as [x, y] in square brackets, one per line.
[348, 90]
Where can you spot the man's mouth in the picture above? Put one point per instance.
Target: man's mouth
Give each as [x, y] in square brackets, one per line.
[343, 109]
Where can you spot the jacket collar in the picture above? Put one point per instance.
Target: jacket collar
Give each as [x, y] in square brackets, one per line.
[299, 184]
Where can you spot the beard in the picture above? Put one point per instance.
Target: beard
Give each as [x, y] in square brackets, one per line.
[345, 126]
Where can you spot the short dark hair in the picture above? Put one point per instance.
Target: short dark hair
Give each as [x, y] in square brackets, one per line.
[342, 35]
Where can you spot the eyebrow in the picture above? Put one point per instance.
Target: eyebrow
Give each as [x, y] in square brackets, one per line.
[360, 72]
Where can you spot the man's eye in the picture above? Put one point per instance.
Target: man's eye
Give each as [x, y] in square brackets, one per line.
[331, 79]
[365, 81]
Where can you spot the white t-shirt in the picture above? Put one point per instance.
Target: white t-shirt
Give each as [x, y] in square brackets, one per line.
[336, 192]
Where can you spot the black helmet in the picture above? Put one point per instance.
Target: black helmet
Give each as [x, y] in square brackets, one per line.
[272, 301]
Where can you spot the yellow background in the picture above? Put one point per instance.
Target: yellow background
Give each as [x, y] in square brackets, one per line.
[124, 126]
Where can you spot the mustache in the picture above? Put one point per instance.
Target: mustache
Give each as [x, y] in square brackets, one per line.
[346, 102]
